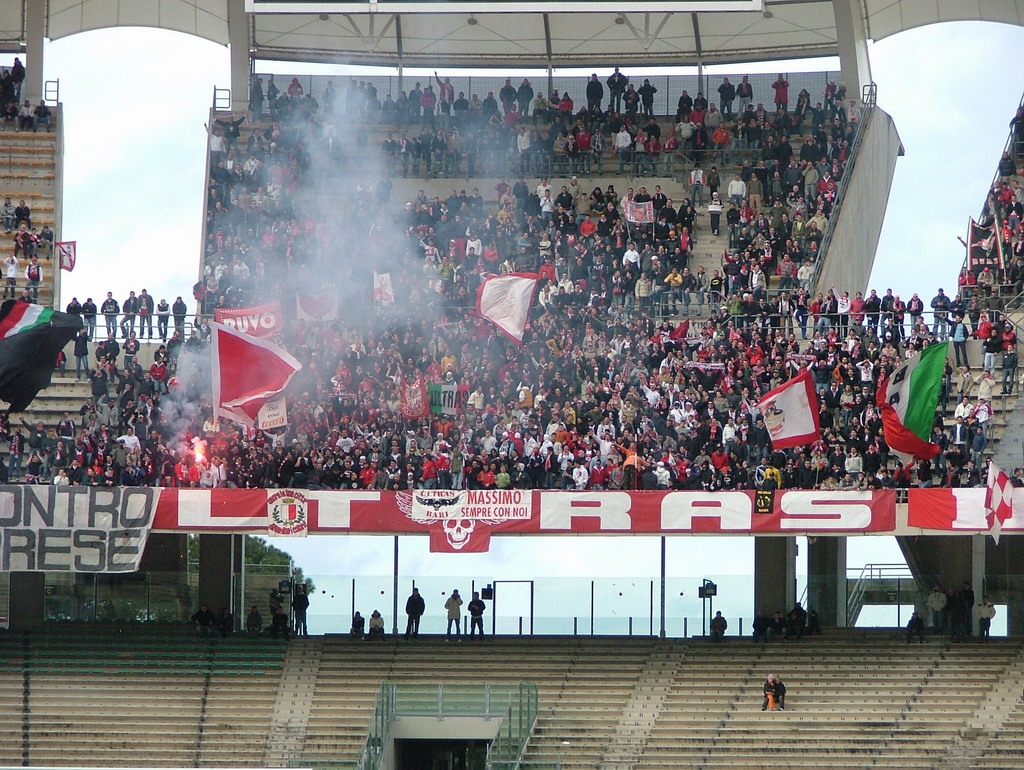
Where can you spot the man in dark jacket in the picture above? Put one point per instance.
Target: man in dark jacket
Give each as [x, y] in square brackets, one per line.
[300, 603]
[205, 622]
[476, 609]
[616, 89]
[595, 94]
[915, 627]
[414, 608]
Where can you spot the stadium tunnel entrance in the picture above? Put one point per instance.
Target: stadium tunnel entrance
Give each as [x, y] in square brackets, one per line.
[429, 753]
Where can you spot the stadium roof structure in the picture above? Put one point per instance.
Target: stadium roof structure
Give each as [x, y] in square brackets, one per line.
[556, 34]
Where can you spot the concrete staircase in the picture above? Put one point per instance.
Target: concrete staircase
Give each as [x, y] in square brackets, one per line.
[1008, 452]
[65, 394]
[989, 718]
[287, 735]
[626, 745]
[30, 170]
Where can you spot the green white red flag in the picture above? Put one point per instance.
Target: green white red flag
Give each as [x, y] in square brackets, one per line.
[907, 400]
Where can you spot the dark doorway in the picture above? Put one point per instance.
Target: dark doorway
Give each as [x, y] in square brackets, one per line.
[416, 754]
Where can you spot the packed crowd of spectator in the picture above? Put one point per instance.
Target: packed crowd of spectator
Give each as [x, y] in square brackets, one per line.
[605, 392]
[523, 130]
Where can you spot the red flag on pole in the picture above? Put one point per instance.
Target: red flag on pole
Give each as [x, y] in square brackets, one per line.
[247, 372]
[67, 254]
[791, 412]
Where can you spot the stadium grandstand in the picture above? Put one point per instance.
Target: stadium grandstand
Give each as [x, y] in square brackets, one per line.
[693, 243]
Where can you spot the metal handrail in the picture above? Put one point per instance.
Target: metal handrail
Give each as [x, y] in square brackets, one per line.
[379, 730]
[867, 574]
[51, 91]
[221, 101]
[508, 748]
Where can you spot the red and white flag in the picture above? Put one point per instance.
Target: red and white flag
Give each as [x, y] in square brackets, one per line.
[383, 291]
[998, 500]
[67, 254]
[415, 402]
[790, 412]
[322, 306]
[505, 301]
[638, 213]
[247, 373]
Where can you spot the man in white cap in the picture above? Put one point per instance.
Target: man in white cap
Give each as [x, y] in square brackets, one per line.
[664, 478]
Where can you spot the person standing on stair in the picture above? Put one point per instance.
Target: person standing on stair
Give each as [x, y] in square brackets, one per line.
[967, 598]
[718, 626]
[300, 604]
[984, 612]
[454, 608]
[715, 213]
[476, 615]
[697, 186]
[937, 604]
[414, 609]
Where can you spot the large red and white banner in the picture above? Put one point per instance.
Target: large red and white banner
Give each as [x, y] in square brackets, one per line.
[960, 510]
[257, 320]
[458, 520]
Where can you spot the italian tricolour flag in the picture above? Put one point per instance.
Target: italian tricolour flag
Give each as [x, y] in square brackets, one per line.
[31, 336]
[23, 317]
[907, 400]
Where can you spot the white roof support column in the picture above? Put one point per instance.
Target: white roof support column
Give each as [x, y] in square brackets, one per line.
[238, 35]
[852, 39]
[35, 31]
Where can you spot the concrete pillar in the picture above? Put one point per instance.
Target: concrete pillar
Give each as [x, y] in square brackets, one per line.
[28, 597]
[977, 573]
[218, 555]
[35, 29]
[826, 579]
[938, 558]
[851, 32]
[1004, 581]
[238, 43]
[774, 574]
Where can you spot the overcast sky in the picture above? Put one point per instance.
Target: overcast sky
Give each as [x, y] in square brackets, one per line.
[135, 102]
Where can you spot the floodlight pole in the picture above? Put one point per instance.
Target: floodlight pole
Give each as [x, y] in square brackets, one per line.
[394, 594]
[662, 630]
